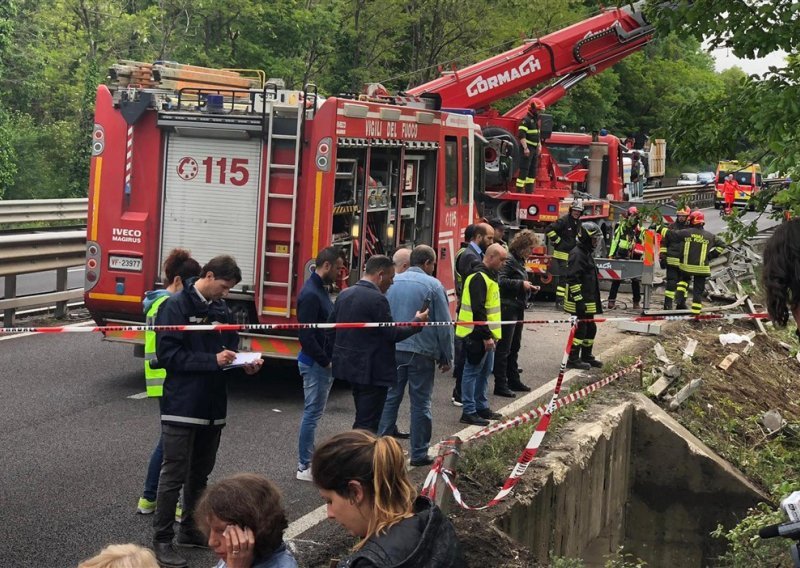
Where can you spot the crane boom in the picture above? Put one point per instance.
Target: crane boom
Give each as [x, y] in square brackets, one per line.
[570, 55]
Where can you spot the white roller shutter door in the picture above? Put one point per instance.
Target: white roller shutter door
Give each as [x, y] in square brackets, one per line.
[211, 200]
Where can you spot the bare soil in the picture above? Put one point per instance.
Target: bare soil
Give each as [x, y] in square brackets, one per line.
[724, 413]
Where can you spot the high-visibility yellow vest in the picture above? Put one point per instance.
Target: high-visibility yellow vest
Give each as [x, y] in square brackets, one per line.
[492, 307]
[153, 378]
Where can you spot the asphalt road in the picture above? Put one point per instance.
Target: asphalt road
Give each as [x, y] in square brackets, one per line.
[75, 444]
[42, 282]
[75, 436]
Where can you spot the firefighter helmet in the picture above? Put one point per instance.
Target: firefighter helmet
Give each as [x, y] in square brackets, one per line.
[697, 218]
[684, 211]
[536, 105]
[577, 205]
[590, 234]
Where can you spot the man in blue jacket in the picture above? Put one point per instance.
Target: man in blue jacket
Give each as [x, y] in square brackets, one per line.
[314, 360]
[366, 357]
[195, 400]
[418, 355]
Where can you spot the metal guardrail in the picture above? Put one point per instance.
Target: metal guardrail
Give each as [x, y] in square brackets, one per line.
[698, 195]
[42, 210]
[26, 253]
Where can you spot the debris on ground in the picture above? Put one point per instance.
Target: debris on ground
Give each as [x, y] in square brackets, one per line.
[685, 393]
[729, 360]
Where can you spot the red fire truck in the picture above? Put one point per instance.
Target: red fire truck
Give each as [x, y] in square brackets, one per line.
[269, 176]
[564, 57]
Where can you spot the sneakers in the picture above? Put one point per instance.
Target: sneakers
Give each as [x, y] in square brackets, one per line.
[304, 474]
[167, 556]
[456, 398]
[474, 420]
[146, 507]
[611, 304]
[489, 414]
[637, 306]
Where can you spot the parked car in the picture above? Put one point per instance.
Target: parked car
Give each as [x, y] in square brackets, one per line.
[706, 177]
[688, 179]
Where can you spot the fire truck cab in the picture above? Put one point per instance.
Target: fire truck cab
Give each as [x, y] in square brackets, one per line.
[269, 176]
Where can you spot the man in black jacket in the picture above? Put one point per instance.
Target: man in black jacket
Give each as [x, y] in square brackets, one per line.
[314, 360]
[468, 259]
[366, 357]
[194, 405]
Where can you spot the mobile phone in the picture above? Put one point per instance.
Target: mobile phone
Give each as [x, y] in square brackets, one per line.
[425, 305]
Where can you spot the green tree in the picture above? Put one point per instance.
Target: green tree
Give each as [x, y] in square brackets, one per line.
[755, 116]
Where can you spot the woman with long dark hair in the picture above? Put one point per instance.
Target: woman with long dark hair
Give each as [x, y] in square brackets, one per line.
[363, 480]
[781, 276]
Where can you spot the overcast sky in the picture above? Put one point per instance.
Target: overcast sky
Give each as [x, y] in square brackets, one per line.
[725, 60]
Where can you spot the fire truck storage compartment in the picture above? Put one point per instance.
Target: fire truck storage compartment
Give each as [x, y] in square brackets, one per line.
[395, 190]
[211, 195]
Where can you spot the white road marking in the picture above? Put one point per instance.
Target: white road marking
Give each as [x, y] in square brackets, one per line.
[310, 520]
[306, 522]
[138, 395]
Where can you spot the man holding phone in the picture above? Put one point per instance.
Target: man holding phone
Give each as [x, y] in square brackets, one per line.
[417, 290]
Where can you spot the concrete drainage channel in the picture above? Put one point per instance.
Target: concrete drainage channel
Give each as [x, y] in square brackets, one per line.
[629, 475]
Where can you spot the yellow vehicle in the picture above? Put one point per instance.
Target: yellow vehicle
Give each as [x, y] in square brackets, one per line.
[747, 175]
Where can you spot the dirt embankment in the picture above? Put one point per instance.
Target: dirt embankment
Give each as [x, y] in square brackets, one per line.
[726, 414]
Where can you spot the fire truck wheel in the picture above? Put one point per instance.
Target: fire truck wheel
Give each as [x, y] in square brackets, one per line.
[499, 139]
[545, 278]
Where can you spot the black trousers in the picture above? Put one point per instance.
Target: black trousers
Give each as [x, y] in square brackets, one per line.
[585, 333]
[698, 289]
[459, 358]
[369, 401]
[527, 170]
[673, 274]
[559, 277]
[635, 288]
[507, 351]
[190, 453]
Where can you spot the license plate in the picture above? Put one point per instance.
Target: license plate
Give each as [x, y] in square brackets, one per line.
[130, 263]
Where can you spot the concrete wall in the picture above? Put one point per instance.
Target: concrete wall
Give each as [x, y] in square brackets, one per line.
[628, 474]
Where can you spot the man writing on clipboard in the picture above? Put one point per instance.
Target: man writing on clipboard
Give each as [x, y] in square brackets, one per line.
[195, 400]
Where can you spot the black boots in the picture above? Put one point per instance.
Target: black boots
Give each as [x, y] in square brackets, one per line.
[574, 361]
[501, 388]
[587, 357]
[167, 556]
[518, 386]
[667, 303]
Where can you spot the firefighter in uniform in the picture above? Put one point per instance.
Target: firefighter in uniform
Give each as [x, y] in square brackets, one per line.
[563, 236]
[528, 135]
[623, 246]
[673, 246]
[583, 296]
[698, 248]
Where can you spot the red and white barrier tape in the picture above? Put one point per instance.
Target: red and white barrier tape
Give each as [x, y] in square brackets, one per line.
[533, 444]
[355, 325]
[531, 448]
[560, 403]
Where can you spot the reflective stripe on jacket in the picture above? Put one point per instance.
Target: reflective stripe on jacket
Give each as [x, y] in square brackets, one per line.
[491, 304]
[698, 247]
[583, 284]
[153, 378]
[529, 130]
[563, 235]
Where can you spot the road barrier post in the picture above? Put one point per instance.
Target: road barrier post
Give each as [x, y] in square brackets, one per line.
[10, 292]
[61, 286]
[450, 452]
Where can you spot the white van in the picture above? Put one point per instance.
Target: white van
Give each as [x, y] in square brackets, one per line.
[688, 179]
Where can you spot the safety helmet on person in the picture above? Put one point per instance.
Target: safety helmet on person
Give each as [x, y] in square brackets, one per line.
[697, 218]
[577, 205]
[683, 214]
[590, 234]
[536, 105]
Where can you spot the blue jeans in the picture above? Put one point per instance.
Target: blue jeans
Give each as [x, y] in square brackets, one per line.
[316, 386]
[474, 383]
[417, 371]
[153, 471]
